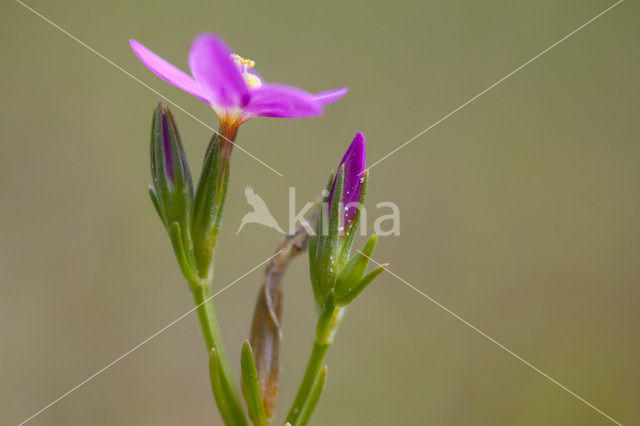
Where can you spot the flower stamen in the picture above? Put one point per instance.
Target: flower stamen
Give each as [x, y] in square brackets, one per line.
[240, 61]
[252, 80]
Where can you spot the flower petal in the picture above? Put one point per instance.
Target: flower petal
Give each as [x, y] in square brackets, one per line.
[355, 163]
[167, 71]
[214, 70]
[278, 100]
[330, 96]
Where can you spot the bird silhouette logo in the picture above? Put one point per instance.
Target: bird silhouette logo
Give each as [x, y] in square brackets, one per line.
[260, 214]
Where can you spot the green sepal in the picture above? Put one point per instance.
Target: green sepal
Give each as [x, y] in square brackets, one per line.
[320, 224]
[314, 258]
[335, 218]
[156, 203]
[313, 244]
[171, 179]
[352, 229]
[314, 397]
[184, 257]
[327, 254]
[251, 386]
[209, 202]
[318, 257]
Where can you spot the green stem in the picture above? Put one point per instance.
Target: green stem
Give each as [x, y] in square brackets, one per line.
[327, 327]
[311, 374]
[206, 219]
[228, 396]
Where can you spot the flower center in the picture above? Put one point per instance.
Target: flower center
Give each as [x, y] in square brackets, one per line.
[252, 81]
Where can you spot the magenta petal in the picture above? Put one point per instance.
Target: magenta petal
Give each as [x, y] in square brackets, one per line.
[330, 96]
[355, 164]
[215, 71]
[167, 71]
[277, 100]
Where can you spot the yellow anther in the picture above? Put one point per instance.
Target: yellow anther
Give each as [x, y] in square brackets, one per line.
[242, 62]
[252, 80]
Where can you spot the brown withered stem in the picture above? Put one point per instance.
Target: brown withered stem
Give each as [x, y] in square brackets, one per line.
[266, 331]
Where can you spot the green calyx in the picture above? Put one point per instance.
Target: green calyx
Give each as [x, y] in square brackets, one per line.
[171, 189]
[209, 202]
[192, 219]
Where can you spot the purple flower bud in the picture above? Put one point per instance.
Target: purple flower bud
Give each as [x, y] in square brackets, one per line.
[171, 188]
[355, 165]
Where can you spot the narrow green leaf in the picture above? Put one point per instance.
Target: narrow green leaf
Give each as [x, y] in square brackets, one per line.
[357, 289]
[314, 397]
[367, 250]
[350, 275]
[371, 275]
[353, 271]
[251, 386]
[229, 415]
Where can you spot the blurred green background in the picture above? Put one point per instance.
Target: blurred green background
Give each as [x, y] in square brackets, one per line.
[519, 213]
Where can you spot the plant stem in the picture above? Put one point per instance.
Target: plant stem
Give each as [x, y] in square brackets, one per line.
[313, 369]
[207, 216]
[327, 327]
[228, 399]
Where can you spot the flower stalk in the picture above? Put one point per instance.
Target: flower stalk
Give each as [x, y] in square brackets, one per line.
[207, 218]
[193, 222]
[336, 279]
[303, 405]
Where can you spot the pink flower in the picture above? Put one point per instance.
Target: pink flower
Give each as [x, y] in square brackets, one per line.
[231, 86]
